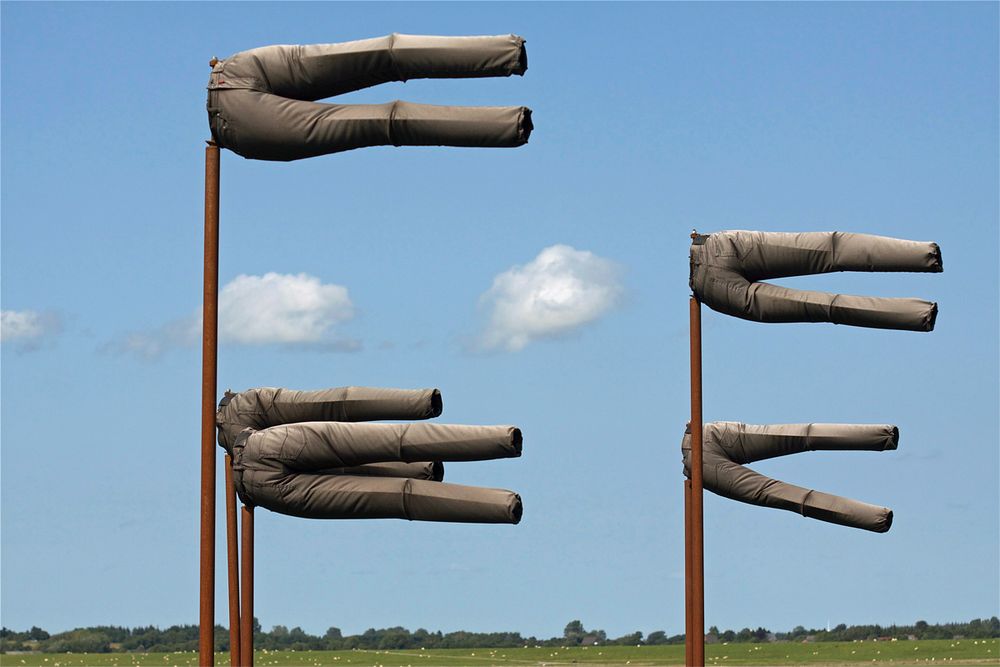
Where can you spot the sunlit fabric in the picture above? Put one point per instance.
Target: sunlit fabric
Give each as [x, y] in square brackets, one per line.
[304, 453]
[726, 446]
[727, 267]
[261, 102]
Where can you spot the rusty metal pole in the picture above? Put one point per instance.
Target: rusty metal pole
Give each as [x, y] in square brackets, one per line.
[232, 547]
[697, 513]
[246, 574]
[209, 369]
[688, 596]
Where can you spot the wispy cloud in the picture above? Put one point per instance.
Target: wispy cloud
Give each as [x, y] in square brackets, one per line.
[556, 293]
[293, 310]
[26, 329]
[281, 308]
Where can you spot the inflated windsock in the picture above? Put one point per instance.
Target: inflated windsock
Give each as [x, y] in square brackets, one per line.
[727, 267]
[729, 445]
[262, 102]
[306, 454]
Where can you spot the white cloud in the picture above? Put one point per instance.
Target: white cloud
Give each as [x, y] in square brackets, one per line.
[26, 327]
[280, 308]
[557, 292]
[293, 310]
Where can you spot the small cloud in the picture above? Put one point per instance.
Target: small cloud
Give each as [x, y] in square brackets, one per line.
[296, 311]
[27, 328]
[556, 293]
[150, 345]
[279, 308]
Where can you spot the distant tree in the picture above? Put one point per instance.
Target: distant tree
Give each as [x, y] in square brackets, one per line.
[629, 639]
[658, 637]
[574, 630]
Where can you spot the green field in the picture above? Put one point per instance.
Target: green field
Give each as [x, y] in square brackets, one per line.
[924, 652]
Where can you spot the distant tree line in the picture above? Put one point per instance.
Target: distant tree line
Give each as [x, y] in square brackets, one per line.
[114, 639]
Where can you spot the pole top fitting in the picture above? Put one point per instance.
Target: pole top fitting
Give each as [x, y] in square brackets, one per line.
[213, 62]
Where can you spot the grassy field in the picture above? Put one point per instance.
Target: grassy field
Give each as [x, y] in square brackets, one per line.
[936, 652]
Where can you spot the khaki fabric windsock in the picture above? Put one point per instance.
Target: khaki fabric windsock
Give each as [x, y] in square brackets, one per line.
[729, 445]
[309, 454]
[262, 102]
[727, 267]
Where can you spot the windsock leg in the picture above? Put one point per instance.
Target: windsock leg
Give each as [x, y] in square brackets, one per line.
[771, 303]
[746, 443]
[866, 252]
[352, 497]
[740, 483]
[768, 255]
[271, 127]
[316, 71]
[352, 404]
[313, 446]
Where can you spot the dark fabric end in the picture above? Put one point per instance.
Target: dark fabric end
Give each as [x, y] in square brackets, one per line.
[437, 404]
[516, 439]
[895, 438]
[937, 265]
[437, 471]
[516, 510]
[884, 528]
[524, 125]
[931, 318]
[522, 61]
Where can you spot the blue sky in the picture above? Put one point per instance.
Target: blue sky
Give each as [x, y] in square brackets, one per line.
[650, 120]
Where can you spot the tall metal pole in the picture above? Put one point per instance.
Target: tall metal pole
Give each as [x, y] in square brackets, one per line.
[232, 547]
[209, 368]
[688, 592]
[697, 514]
[246, 574]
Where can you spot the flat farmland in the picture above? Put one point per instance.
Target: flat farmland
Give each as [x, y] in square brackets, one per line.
[923, 652]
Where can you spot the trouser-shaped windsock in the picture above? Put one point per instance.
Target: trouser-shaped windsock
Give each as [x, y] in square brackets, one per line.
[726, 268]
[728, 445]
[261, 102]
[303, 453]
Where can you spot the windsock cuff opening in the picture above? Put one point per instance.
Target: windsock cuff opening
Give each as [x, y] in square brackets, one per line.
[931, 317]
[937, 265]
[521, 65]
[524, 125]
[885, 524]
[516, 439]
[437, 403]
[894, 441]
[516, 508]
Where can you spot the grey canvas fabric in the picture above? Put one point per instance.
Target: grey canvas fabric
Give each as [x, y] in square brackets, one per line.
[310, 454]
[727, 267]
[261, 102]
[729, 445]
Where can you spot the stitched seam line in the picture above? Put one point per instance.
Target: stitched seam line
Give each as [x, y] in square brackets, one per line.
[802, 505]
[392, 122]
[406, 495]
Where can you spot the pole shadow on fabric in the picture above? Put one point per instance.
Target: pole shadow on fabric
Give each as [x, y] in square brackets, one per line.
[262, 105]
[726, 273]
